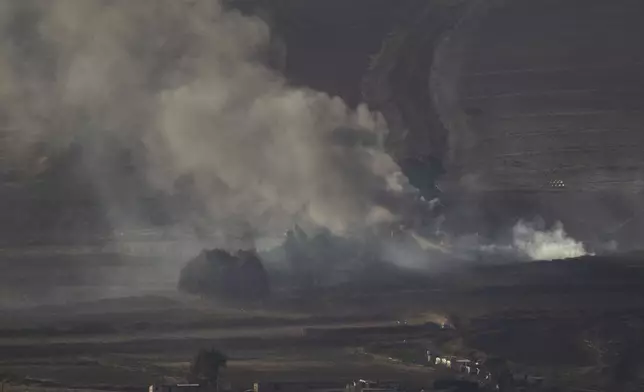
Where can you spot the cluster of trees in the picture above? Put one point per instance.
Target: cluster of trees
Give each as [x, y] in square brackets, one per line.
[206, 367]
[220, 274]
[316, 258]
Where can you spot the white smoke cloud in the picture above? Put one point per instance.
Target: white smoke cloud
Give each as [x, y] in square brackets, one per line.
[182, 86]
[530, 241]
[550, 244]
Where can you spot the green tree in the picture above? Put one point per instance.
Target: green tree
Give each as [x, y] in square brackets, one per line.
[206, 365]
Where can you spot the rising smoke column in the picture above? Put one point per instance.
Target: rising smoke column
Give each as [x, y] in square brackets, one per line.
[182, 87]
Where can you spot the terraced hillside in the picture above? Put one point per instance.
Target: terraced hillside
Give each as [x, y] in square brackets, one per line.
[555, 93]
[533, 107]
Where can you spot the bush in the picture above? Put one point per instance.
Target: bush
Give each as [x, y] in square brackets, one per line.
[206, 365]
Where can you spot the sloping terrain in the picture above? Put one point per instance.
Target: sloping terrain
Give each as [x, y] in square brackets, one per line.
[533, 107]
[554, 89]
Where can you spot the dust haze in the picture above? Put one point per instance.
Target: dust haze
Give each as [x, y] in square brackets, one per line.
[182, 87]
[172, 100]
[177, 95]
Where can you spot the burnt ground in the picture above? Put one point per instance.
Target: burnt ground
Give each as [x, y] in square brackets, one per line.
[564, 319]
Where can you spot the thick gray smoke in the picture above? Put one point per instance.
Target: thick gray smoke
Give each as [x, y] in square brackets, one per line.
[182, 86]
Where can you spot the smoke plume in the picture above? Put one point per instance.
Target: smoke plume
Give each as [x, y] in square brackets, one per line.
[551, 244]
[181, 86]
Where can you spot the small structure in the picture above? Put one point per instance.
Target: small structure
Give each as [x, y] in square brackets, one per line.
[298, 387]
[372, 386]
[180, 388]
[463, 365]
[444, 361]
